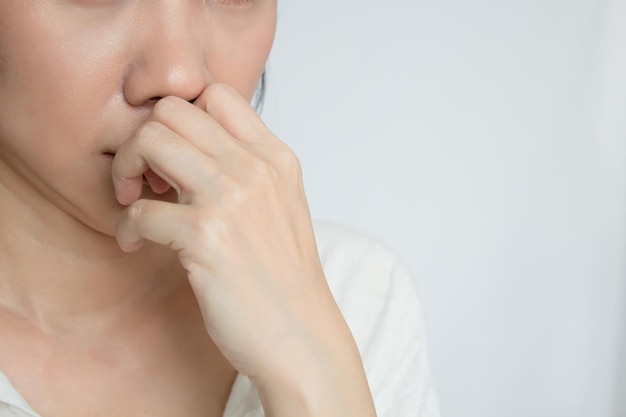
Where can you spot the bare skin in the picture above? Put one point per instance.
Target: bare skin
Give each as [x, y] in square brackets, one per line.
[159, 363]
[122, 297]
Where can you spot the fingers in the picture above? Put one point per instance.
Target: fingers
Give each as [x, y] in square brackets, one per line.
[193, 149]
[171, 157]
[193, 124]
[158, 184]
[174, 126]
[157, 221]
[240, 120]
[234, 113]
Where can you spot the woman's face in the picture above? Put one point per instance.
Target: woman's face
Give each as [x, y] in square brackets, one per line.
[77, 77]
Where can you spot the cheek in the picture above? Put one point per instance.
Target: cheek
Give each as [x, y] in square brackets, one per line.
[52, 98]
[55, 95]
[238, 56]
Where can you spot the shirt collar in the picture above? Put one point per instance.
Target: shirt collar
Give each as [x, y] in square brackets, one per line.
[10, 396]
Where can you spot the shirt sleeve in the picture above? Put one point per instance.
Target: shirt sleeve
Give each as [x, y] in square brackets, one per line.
[398, 363]
[380, 303]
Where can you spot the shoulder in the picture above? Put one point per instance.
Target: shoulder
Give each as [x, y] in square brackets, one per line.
[379, 301]
[349, 256]
[358, 267]
[372, 287]
[367, 280]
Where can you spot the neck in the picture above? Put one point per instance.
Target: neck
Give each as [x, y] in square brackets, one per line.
[56, 273]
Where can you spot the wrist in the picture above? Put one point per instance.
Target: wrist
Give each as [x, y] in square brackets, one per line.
[316, 379]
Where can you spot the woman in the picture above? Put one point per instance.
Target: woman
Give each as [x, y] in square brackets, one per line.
[157, 254]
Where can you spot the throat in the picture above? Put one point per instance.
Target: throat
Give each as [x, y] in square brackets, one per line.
[56, 293]
[161, 364]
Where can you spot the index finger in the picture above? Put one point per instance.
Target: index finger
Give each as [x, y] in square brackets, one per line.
[172, 158]
[234, 113]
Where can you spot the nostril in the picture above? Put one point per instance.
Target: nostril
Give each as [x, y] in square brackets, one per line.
[155, 99]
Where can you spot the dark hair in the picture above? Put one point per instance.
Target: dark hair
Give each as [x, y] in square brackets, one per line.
[259, 94]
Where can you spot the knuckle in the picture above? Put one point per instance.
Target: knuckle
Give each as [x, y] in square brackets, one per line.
[223, 180]
[262, 172]
[288, 162]
[290, 159]
[208, 231]
[259, 168]
[233, 194]
[135, 210]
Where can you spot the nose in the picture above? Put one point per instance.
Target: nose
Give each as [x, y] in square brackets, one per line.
[169, 59]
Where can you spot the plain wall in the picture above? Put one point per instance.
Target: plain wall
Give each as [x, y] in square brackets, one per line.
[483, 141]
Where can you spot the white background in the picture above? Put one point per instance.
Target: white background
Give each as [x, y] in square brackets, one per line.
[483, 141]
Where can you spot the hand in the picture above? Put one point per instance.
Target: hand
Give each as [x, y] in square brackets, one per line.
[242, 230]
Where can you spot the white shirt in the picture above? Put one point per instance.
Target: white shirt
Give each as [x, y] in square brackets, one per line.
[379, 301]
